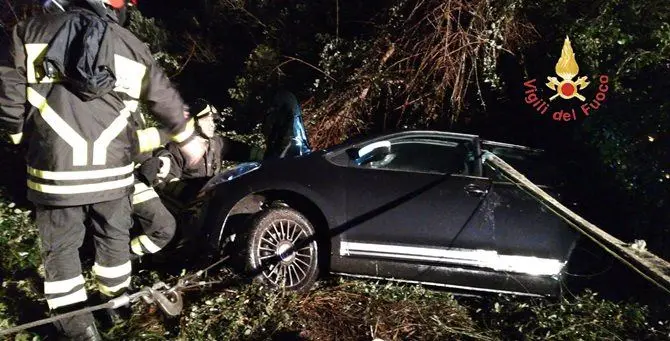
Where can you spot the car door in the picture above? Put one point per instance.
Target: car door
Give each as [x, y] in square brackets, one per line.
[524, 226]
[417, 199]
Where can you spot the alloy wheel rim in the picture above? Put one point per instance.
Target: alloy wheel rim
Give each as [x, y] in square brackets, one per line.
[289, 266]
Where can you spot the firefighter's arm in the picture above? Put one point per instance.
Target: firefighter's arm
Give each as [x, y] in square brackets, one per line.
[171, 164]
[152, 138]
[232, 150]
[167, 105]
[13, 89]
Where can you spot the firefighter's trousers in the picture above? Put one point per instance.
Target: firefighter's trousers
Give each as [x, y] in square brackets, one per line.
[62, 231]
[157, 223]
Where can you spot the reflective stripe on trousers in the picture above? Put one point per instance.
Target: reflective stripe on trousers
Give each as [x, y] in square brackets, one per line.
[158, 226]
[143, 193]
[142, 243]
[62, 231]
[112, 280]
[65, 292]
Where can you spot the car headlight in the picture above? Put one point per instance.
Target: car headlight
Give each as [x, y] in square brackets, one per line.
[230, 174]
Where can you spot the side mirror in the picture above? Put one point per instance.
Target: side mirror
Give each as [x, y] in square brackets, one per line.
[373, 152]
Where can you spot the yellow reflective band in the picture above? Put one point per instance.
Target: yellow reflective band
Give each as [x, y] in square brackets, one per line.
[111, 291]
[80, 175]
[78, 189]
[149, 139]
[148, 244]
[129, 75]
[34, 55]
[69, 135]
[140, 197]
[110, 133]
[140, 187]
[16, 138]
[188, 131]
[61, 287]
[112, 271]
[75, 297]
[136, 247]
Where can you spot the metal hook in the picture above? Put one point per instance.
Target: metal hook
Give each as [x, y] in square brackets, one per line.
[171, 304]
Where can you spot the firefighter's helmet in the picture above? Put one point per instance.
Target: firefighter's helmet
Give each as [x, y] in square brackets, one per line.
[204, 114]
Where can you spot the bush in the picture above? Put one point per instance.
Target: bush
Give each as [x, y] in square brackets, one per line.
[584, 317]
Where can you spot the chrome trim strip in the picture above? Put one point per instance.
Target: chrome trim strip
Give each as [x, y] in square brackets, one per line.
[469, 257]
[461, 287]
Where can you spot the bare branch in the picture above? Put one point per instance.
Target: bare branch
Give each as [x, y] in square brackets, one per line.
[294, 59]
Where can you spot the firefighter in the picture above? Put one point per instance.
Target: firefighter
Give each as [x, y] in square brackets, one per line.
[169, 164]
[157, 223]
[74, 78]
[164, 170]
[162, 173]
[282, 127]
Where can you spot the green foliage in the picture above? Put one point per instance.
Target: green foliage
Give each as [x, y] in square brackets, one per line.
[362, 310]
[148, 30]
[635, 55]
[261, 66]
[156, 37]
[19, 237]
[585, 317]
[250, 313]
[19, 261]
[338, 61]
[630, 42]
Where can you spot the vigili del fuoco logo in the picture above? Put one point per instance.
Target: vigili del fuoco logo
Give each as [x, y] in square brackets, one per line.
[565, 90]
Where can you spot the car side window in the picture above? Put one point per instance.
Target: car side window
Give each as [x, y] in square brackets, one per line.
[424, 156]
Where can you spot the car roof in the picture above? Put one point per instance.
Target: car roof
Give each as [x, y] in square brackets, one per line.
[510, 146]
[367, 137]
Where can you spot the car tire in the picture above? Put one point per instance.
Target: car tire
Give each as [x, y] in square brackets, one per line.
[267, 250]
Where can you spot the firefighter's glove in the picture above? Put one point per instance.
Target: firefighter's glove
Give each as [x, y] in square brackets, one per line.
[149, 169]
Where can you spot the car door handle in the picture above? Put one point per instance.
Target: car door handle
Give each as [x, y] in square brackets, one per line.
[475, 190]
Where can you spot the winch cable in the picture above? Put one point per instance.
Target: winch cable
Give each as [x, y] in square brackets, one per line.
[111, 304]
[183, 283]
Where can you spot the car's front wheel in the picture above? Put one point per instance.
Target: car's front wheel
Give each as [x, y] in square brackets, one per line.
[280, 249]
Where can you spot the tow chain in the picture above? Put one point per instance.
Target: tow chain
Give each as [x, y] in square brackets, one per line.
[168, 299]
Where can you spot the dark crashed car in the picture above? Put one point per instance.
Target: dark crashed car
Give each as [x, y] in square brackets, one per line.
[413, 206]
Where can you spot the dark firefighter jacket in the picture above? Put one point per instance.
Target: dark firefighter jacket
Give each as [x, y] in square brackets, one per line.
[71, 86]
[169, 166]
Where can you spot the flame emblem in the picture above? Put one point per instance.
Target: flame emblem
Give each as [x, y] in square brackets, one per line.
[567, 68]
